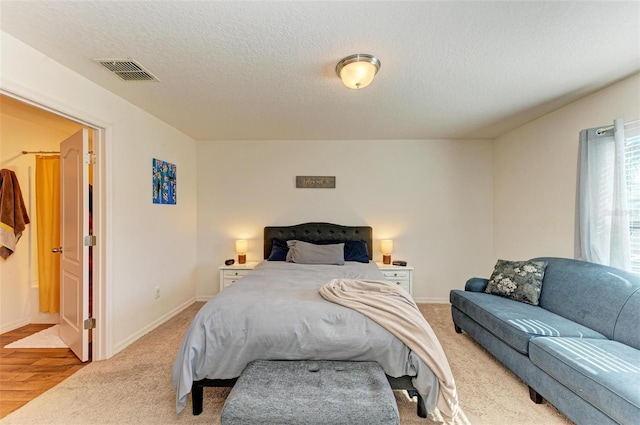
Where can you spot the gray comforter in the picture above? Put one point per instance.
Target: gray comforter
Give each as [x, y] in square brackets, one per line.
[276, 313]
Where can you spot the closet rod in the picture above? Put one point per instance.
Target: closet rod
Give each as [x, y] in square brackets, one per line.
[603, 129]
[38, 152]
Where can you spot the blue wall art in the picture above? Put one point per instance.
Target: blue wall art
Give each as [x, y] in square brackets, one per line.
[164, 182]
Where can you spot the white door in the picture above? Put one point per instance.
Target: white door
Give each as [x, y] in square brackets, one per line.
[74, 225]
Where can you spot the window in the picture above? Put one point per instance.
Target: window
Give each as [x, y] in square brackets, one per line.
[608, 195]
[632, 164]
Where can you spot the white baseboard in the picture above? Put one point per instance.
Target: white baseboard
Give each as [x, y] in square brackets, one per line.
[204, 298]
[133, 338]
[151, 326]
[431, 300]
[14, 325]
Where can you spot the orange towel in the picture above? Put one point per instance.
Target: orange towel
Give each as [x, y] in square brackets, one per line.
[13, 213]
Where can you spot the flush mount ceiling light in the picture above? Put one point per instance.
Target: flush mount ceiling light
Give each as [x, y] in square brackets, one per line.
[357, 71]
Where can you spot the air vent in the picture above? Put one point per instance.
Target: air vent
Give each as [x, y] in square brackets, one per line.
[127, 69]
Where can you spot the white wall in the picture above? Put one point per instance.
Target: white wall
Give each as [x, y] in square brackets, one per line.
[148, 245]
[434, 198]
[535, 173]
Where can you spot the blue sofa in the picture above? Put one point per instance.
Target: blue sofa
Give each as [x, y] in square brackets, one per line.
[579, 348]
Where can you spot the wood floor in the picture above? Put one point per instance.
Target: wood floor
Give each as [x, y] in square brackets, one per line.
[25, 373]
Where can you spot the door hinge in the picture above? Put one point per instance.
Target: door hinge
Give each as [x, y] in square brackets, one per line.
[90, 323]
[89, 158]
[90, 240]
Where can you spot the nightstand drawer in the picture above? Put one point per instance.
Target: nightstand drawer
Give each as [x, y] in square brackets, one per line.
[235, 273]
[231, 274]
[404, 284]
[396, 274]
[229, 281]
[400, 275]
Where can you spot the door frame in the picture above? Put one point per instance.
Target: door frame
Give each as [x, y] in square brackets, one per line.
[102, 338]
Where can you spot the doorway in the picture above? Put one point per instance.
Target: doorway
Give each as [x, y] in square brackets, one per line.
[38, 115]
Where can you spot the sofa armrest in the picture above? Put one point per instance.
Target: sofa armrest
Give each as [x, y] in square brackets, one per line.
[476, 284]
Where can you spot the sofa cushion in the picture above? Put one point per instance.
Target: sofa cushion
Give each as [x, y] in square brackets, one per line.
[626, 330]
[514, 322]
[587, 293]
[517, 280]
[604, 373]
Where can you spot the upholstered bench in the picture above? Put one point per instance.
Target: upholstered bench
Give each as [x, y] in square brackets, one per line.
[311, 392]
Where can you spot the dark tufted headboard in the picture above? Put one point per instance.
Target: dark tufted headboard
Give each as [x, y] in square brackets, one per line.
[315, 232]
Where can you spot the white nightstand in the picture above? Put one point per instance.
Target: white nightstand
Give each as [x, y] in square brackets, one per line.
[400, 275]
[231, 274]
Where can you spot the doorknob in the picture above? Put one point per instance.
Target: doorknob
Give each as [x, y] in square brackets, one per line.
[57, 250]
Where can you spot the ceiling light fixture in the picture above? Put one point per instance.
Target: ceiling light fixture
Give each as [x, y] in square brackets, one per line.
[357, 71]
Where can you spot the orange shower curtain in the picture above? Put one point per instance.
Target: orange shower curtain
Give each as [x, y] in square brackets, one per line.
[48, 222]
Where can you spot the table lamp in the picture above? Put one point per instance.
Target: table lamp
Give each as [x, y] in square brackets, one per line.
[241, 250]
[386, 246]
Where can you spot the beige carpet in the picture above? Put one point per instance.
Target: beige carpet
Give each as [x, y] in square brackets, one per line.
[134, 387]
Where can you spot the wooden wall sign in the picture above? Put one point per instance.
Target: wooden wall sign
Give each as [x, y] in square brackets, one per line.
[316, 182]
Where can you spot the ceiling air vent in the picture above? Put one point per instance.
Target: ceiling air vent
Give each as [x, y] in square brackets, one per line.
[127, 69]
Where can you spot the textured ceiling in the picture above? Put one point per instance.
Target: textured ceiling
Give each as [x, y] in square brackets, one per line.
[265, 70]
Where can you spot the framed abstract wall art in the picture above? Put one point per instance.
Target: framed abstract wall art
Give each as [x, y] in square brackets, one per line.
[164, 182]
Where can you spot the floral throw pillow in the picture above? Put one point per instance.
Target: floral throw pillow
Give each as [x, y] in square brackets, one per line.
[518, 280]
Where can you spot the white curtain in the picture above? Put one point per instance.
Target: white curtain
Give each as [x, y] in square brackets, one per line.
[602, 214]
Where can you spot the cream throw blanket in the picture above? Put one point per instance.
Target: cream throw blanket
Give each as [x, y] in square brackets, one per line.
[393, 308]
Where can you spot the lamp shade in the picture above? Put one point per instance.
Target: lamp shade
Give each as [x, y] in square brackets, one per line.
[357, 71]
[241, 246]
[386, 246]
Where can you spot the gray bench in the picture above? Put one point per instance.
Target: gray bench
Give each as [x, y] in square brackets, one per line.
[311, 392]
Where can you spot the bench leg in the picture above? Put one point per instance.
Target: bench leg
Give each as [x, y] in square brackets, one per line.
[422, 409]
[196, 399]
[457, 328]
[535, 397]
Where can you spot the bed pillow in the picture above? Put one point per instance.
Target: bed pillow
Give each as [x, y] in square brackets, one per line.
[279, 250]
[517, 280]
[308, 253]
[356, 251]
[353, 250]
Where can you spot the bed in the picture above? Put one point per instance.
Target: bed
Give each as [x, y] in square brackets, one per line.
[276, 313]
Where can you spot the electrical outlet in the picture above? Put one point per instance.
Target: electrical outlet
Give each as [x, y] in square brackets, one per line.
[156, 292]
